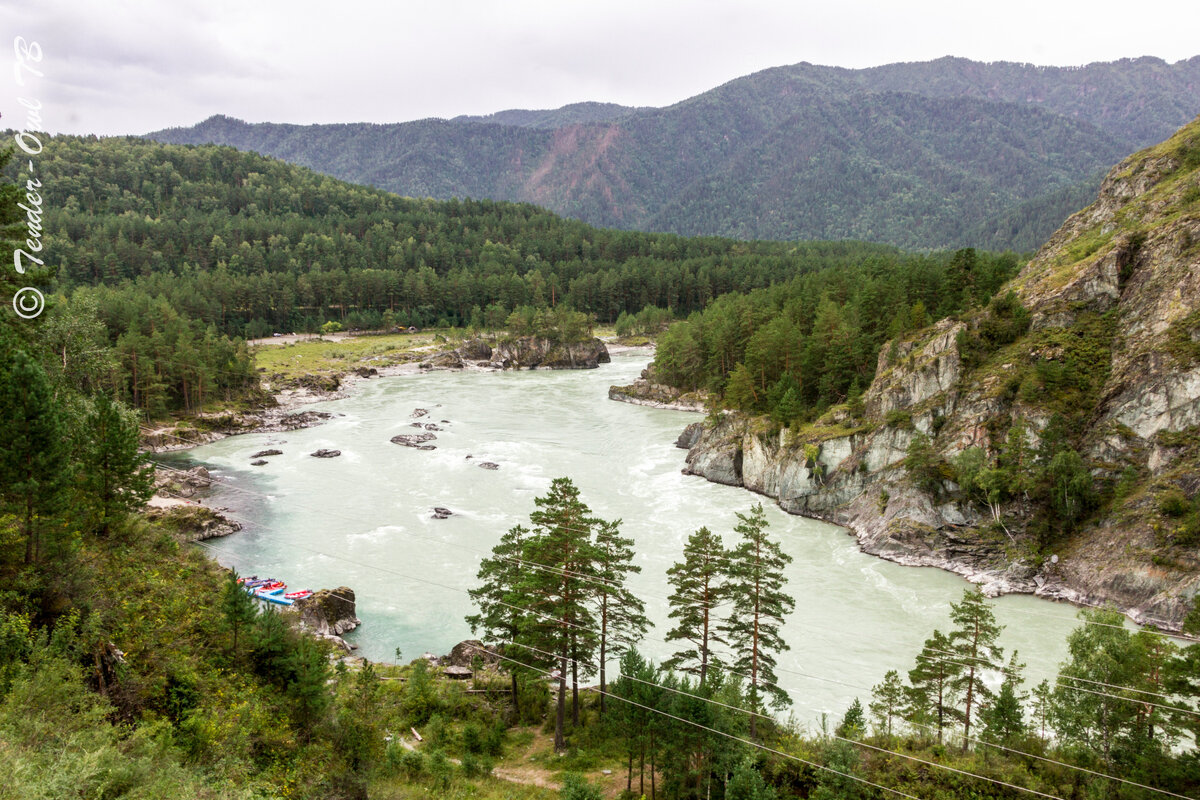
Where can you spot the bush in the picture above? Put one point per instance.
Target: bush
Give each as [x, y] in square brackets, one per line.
[421, 699]
[440, 769]
[576, 787]
[1173, 503]
[472, 738]
[475, 767]
[411, 762]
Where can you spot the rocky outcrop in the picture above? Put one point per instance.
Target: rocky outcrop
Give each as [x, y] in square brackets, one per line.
[645, 391]
[328, 612]
[691, 434]
[522, 352]
[469, 652]
[193, 523]
[181, 483]
[1118, 287]
[535, 352]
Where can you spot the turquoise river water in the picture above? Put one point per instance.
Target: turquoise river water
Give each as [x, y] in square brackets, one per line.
[364, 520]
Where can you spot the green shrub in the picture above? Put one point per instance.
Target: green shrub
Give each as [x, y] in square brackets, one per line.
[1173, 503]
[472, 738]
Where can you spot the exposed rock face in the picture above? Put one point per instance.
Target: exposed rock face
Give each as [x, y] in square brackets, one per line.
[691, 434]
[533, 352]
[464, 654]
[1134, 257]
[195, 523]
[645, 391]
[476, 350]
[329, 612]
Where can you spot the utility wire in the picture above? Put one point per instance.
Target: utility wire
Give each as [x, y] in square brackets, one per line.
[747, 711]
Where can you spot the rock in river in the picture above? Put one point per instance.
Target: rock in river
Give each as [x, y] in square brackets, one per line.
[487, 465]
[259, 462]
[442, 513]
[416, 440]
[326, 453]
[265, 453]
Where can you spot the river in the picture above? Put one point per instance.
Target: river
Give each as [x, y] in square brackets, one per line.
[365, 520]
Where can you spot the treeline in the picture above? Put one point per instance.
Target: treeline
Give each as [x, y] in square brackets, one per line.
[253, 246]
[797, 347]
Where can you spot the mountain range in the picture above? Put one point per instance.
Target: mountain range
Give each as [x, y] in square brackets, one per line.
[934, 154]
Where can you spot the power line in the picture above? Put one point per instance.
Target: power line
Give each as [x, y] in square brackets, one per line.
[747, 711]
[749, 742]
[650, 638]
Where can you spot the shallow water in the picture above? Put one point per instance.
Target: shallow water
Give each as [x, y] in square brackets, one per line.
[364, 520]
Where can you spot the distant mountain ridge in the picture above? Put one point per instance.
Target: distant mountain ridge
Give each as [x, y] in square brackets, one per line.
[924, 155]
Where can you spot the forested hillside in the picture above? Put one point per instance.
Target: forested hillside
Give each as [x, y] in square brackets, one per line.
[930, 155]
[172, 250]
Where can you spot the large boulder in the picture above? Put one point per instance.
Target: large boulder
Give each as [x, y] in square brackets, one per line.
[475, 350]
[329, 612]
[464, 654]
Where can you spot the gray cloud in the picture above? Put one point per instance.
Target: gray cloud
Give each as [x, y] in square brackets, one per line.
[130, 67]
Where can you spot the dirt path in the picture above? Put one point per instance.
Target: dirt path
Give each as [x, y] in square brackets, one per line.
[527, 776]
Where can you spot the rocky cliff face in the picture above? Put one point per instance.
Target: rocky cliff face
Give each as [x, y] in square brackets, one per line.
[1113, 303]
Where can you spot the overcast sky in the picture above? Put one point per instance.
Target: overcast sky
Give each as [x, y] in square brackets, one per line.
[119, 66]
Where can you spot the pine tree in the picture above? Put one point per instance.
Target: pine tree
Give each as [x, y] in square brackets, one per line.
[501, 610]
[973, 645]
[33, 464]
[308, 670]
[887, 701]
[931, 698]
[758, 608]
[1042, 695]
[116, 475]
[559, 589]
[238, 607]
[1004, 718]
[699, 588]
[622, 615]
[854, 723]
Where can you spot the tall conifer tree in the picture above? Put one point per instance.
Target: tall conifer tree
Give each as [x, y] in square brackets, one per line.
[33, 462]
[621, 614]
[973, 644]
[931, 696]
[699, 588]
[501, 611]
[561, 628]
[115, 474]
[758, 608]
